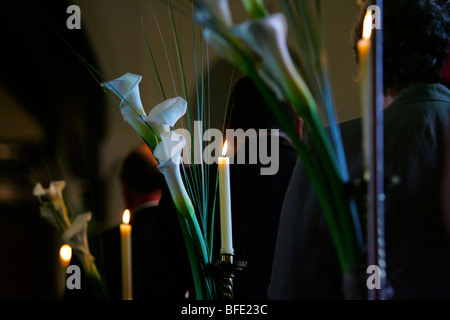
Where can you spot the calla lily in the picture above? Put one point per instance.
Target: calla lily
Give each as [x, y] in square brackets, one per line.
[58, 216]
[267, 37]
[164, 116]
[170, 147]
[220, 9]
[168, 153]
[53, 193]
[76, 236]
[54, 210]
[127, 88]
[218, 34]
[74, 233]
[160, 119]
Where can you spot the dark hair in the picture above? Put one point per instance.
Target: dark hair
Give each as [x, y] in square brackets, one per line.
[416, 39]
[250, 110]
[140, 173]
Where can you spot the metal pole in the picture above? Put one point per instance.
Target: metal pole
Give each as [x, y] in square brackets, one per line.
[375, 190]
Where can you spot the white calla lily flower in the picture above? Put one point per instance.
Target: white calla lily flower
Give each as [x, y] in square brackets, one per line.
[267, 37]
[126, 87]
[168, 153]
[76, 236]
[54, 210]
[74, 233]
[169, 149]
[160, 119]
[54, 195]
[164, 116]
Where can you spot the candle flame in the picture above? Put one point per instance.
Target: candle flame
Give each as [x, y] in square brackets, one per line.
[367, 27]
[225, 148]
[126, 216]
[65, 253]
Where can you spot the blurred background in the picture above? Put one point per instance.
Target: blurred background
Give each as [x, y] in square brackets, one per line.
[56, 123]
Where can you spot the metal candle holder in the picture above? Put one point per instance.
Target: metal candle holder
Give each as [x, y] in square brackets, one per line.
[225, 269]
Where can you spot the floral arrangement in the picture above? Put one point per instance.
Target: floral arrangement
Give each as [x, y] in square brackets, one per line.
[156, 129]
[258, 47]
[73, 229]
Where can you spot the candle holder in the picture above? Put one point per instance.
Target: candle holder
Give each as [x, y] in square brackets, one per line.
[354, 280]
[225, 269]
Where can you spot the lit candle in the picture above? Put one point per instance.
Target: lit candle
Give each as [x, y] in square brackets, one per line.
[65, 255]
[365, 60]
[125, 239]
[226, 234]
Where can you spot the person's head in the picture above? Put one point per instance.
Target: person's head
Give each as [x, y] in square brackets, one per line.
[416, 41]
[141, 180]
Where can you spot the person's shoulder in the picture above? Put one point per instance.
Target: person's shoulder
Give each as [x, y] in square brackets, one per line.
[422, 99]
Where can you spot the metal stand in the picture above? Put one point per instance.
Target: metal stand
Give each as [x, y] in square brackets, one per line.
[225, 269]
[355, 280]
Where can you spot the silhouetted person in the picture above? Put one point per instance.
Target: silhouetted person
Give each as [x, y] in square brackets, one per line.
[416, 35]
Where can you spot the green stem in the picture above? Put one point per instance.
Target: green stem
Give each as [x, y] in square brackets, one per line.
[211, 226]
[196, 275]
[193, 236]
[202, 257]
